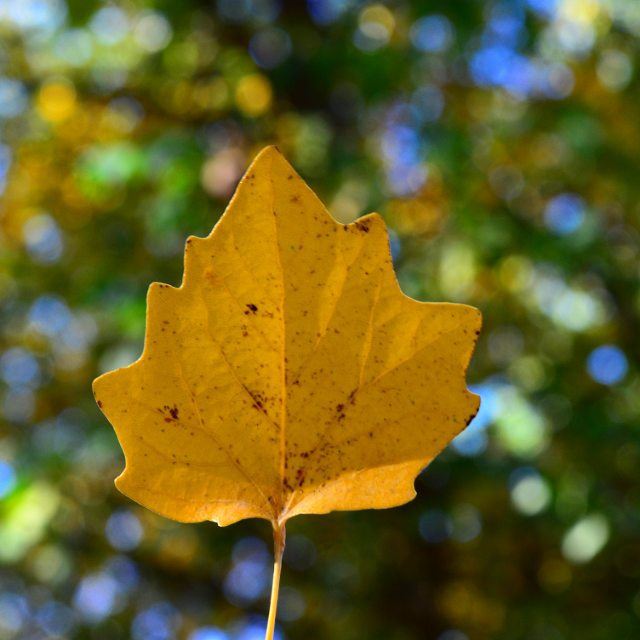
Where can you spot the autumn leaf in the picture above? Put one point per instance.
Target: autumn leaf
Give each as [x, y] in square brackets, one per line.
[288, 374]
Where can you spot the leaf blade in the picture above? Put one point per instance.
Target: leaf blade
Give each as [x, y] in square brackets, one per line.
[288, 373]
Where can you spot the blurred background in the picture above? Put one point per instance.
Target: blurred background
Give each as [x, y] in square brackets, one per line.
[499, 140]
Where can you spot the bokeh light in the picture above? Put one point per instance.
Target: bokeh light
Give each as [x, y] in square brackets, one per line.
[530, 493]
[585, 538]
[564, 213]
[607, 364]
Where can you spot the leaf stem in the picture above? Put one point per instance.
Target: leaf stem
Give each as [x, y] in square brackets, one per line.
[279, 537]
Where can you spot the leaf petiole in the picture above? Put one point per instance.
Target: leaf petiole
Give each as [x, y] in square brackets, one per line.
[279, 537]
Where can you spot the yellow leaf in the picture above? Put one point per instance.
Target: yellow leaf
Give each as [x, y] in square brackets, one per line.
[288, 373]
